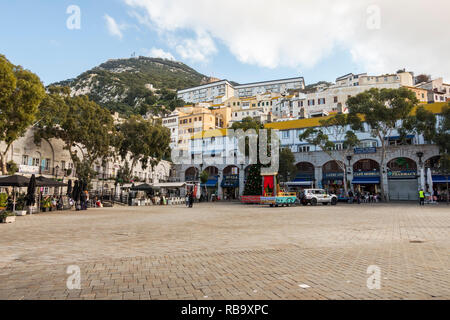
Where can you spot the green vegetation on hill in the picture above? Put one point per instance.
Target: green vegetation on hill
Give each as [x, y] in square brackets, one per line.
[136, 85]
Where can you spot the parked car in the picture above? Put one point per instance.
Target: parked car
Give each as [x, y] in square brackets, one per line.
[316, 196]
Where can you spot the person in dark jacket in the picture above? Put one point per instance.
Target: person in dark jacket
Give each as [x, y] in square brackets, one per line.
[191, 199]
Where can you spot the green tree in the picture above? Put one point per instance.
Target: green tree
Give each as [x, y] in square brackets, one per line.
[87, 129]
[143, 142]
[381, 110]
[124, 174]
[434, 130]
[336, 138]
[21, 92]
[12, 167]
[287, 165]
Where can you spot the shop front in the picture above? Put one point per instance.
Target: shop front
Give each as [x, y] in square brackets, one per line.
[403, 180]
[333, 182]
[366, 177]
[230, 186]
[210, 187]
[403, 185]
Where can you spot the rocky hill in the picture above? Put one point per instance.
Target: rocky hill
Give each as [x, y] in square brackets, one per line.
[136, 85]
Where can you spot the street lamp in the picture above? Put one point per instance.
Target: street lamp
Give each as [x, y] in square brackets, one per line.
[420, 156]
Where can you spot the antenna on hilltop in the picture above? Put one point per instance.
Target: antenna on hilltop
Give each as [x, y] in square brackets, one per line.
[133, 55]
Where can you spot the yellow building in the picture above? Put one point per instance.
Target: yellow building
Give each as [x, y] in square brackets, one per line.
[421, 94]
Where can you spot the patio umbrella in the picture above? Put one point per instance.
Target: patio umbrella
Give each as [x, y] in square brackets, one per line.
[74, 191]
[31, 200]
[14, 181]
[69, 188]
[46, 182]
[430, 181]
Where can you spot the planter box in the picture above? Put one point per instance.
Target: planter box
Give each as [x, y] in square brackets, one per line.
[251, 199]
[21, 213]
[9, 219]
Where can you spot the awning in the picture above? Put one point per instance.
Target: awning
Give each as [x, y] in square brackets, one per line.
[169, 185]
[366, 180]
[440, 179]
[211, 183]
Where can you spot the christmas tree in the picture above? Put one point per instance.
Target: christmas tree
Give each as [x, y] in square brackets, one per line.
[253, 186]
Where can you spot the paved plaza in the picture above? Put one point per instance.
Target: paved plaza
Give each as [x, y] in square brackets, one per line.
[230, 251]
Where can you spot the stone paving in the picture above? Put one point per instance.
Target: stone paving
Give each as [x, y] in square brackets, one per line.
[229, 251]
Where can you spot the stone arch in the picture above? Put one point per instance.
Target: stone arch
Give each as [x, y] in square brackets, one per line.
[402, 164]
[305, 167]
[433, 162]
[212, 171]
[191, 174]
[331, 166]
[366, 165]
[230, 170]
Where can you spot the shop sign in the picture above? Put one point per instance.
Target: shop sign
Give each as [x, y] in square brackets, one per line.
[402, 174]
[333, 176]
[367, 150]
[367, 174]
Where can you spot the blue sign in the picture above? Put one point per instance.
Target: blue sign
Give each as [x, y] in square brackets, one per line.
[365, 150]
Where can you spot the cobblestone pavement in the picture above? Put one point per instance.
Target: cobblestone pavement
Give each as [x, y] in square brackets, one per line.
[229, 251]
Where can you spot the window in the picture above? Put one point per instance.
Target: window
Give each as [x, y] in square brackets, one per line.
[304, 148]
[63, 165]
[25, 160]
[285, 134]
[335, 99]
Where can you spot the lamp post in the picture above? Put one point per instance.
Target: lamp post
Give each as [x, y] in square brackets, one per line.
[56, 176]
[420, 156]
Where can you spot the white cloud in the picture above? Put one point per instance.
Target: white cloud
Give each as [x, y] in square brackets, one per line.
[197, 49]
[113, 28]
[412, 34]
[160, 53]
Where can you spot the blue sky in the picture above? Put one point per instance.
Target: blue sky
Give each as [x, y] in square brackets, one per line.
[33, 33]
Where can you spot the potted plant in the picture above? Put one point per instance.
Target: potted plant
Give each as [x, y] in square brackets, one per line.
[7, 217]
[3, 201]
[20, 206]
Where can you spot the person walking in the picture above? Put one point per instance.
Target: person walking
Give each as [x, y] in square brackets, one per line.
[191, 200]
[422, 197]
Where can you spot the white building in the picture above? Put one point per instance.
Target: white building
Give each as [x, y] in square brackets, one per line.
[215, 91]
[438, 91]
[274, 86]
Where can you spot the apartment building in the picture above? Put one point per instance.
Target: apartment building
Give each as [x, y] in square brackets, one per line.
[215, 91]
[333, 99]
[274, 86]
[438, 91]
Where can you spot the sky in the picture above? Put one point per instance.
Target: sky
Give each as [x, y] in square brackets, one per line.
[239, 40]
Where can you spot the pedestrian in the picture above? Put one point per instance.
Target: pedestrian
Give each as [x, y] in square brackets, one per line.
[191, 200]
[422, 197]
[358, 197]
[350, 197]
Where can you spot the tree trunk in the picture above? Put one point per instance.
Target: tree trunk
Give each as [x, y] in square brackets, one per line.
[3, 165]
[384, 197]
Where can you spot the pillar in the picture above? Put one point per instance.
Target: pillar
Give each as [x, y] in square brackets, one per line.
[318, 176]
[241, 182]
[220, 189]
